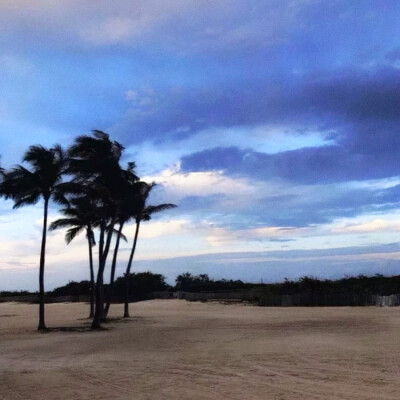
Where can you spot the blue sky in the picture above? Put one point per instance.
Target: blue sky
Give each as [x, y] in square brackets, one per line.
[272, 124]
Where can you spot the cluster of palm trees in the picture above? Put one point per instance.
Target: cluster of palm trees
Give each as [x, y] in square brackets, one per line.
[97, 196]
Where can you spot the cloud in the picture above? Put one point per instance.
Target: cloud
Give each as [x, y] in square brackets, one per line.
[313, 165]
[253, 66]
[168, 20]
[222, 236]
[374, 225]
[111, 31]
[268, 201]
[354, 111]
[278, 113]
[177, 185]
[154, 229]
[274, 266]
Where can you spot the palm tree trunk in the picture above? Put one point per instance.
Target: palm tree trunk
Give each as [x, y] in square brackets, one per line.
[113, 267]
[92, 285]
[98, 313]
[128, 271]
[42, 325]
[108, 240]
[103, 252]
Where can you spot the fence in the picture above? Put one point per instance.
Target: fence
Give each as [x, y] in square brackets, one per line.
[295, 300]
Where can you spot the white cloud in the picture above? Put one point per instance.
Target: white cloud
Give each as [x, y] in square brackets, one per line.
[178, 185]
[373, 225]
[154, 229]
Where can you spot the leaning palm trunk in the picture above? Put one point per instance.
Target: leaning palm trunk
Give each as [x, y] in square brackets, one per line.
[103, 252]
[113, 267]
[92, 285]
[42, 324]
[128, 270]
[99, 284]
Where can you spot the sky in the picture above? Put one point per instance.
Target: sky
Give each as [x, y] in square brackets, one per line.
[273, 125]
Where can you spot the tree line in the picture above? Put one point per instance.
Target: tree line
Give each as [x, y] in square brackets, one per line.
[143, 283]
[97, 196]
[361, 284]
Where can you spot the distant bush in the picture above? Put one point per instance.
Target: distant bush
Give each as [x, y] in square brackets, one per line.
[363, 285]
[15, 293]
[72, 289]
[140, 285]
[143, 283]
[198, 283]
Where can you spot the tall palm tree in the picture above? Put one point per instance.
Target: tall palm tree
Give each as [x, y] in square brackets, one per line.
[80, 216]
[95, 163]
[27, 186]
[127, 205]
[140, 212]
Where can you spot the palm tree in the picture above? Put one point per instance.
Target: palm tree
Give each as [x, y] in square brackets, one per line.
[80, 216]
[94, 163]
[140, 213]
[28, 186]
[127, 205]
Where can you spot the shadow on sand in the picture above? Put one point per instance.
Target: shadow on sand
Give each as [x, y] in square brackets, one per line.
[86, 326]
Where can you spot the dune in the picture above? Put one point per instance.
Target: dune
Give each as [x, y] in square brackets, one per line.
[173, 349]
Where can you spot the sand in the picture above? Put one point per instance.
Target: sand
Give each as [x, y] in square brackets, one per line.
[173, 349]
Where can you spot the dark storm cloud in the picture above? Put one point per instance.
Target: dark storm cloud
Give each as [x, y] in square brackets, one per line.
[359, 108]
[358, 95]
[314, 165]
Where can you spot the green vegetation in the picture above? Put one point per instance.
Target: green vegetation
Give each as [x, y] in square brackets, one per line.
[378, 284]
[203, 283]
[140, 285]
[72, 288]
[143, 283]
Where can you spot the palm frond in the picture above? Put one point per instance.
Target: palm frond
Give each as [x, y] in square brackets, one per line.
[72, 233]
[98, 134]
[64, 223]
[26, 186]
[39, 156]
[146, 214]
[160, 207]
[27, 200]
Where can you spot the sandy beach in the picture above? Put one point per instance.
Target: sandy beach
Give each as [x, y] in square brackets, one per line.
[173, 349]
